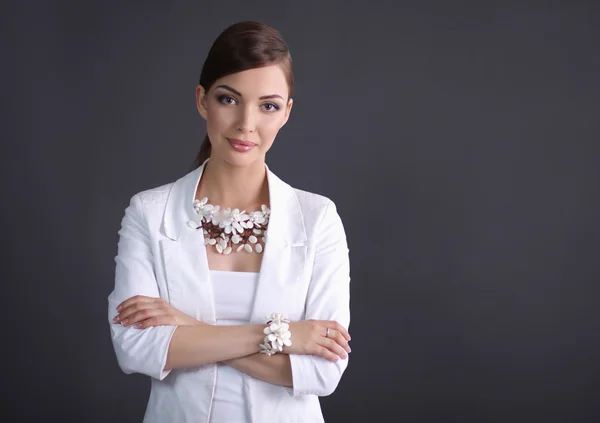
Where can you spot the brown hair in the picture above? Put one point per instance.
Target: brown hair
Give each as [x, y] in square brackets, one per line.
[243, 46]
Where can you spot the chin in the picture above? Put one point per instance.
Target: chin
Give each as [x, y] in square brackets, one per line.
[241, 159]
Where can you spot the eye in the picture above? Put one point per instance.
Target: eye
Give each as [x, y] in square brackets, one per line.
[270, 107]
[225, 99]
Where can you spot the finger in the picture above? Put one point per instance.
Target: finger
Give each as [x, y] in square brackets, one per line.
[135, 299]
[339, 338]
[325, 353]
[332, 324]
[335, 325]
[164, 320]
[143, 315]
[136, 307]
[333, 346]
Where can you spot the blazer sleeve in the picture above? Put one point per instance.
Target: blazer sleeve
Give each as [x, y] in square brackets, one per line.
[137, 350]
[328, 298]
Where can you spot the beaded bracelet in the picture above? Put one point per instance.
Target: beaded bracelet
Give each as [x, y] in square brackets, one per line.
[277, 334]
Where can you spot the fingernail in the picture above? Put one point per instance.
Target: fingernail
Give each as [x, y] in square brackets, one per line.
[139, 325]
[119, 308]
[124, 321]
[116, 319]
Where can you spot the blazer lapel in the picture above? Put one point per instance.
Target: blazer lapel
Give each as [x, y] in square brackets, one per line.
[284, 260]
[184, 253]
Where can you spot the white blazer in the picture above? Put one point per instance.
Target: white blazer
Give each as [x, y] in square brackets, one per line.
[304, 275]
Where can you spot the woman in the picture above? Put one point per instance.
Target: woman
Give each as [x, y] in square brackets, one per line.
[206, 264]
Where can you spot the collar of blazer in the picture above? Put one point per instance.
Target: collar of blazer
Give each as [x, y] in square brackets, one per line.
[283, 262]
[286, 223]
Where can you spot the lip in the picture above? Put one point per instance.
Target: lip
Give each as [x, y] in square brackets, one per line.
[241, 142]
[241, 146]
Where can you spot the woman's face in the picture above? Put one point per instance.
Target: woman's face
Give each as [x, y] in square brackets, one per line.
[243, 112]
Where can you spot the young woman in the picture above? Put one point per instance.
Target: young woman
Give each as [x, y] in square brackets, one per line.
[232, 287]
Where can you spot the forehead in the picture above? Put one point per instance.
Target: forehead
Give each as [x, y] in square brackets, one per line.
[257, 82]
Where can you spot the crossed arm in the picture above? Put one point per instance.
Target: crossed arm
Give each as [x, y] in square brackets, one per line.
[194, 343]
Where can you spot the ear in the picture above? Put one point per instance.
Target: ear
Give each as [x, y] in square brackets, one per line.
[201, 101]
[288, 110]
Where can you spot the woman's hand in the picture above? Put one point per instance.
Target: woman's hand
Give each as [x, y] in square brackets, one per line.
[325, 338]
[143, 312]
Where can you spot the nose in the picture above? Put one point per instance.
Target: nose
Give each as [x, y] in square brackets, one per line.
[246, 120]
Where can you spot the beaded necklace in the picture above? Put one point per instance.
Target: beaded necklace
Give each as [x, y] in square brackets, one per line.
[230, 230]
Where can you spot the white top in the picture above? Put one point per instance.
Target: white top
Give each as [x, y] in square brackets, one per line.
[233, 295]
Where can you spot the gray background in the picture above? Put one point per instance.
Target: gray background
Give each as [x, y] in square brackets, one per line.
[459, 141]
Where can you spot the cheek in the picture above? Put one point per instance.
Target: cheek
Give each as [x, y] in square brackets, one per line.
[268, 132]
[218, 118]
[271, 126]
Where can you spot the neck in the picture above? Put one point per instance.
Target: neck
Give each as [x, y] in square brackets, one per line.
[241, 187]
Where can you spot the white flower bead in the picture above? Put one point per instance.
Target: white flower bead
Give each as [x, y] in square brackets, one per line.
[231, 226]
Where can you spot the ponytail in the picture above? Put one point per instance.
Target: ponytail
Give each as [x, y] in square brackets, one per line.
[204, 152]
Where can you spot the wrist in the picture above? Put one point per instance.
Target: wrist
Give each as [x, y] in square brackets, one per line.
[277, 334]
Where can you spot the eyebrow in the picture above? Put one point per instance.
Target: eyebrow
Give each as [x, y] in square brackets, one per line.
[236, 92]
